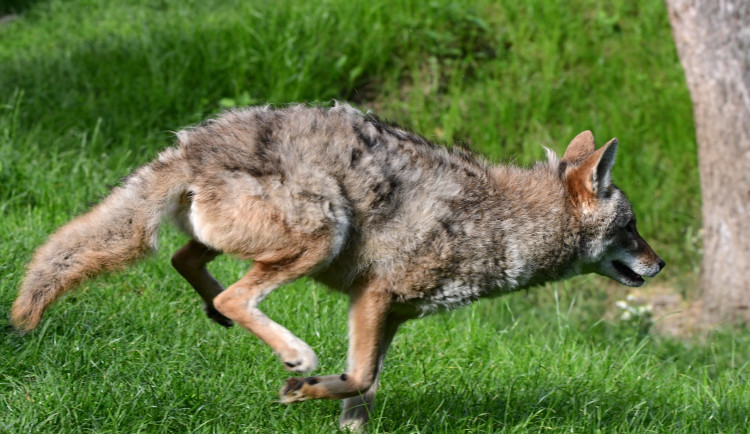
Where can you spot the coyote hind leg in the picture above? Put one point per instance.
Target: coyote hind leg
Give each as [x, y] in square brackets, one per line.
[190, 261]
[240, 303]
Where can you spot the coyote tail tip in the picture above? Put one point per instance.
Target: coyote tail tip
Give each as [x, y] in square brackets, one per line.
[110, 236]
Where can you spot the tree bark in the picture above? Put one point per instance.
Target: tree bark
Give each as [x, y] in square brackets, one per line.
[713, 43]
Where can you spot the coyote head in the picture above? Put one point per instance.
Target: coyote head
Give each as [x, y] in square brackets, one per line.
[611, 244]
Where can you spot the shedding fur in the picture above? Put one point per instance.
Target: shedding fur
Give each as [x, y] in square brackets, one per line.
[405, 228]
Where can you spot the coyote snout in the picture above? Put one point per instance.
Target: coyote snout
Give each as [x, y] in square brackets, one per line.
[631, 258]
[403, 227]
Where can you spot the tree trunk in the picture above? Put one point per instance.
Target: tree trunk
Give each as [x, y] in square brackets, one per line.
[713, 42]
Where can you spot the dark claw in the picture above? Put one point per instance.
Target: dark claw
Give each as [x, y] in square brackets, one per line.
[299, 385]
[293, 384]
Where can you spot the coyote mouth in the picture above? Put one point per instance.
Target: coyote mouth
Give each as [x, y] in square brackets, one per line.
[634, 278]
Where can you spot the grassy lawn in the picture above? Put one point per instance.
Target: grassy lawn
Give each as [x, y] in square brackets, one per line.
[89, 90]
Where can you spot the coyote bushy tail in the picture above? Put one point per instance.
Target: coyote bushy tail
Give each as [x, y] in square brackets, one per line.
[117, 231]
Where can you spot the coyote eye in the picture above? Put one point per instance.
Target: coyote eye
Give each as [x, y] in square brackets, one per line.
[630, 227]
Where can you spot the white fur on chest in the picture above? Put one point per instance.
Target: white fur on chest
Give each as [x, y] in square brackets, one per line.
[449, 296]
[464, 291]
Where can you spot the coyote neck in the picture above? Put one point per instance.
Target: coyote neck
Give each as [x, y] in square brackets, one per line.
[539, 240]
[514, 232]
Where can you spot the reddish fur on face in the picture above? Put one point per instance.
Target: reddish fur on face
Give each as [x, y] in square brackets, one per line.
[579, 187]
[582, 180]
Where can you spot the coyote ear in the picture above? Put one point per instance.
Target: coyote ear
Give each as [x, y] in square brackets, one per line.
[600, 164]
[594, 175]
[579, 148]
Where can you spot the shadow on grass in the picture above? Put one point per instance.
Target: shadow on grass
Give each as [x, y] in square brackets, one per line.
[94, 79]
[547, 407]
[180, 76]
[14, 7]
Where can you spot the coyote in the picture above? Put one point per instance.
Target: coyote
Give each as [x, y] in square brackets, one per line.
[405, 228]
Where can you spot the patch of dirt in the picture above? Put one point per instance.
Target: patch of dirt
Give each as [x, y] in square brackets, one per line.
[5, 19]
[669, 313]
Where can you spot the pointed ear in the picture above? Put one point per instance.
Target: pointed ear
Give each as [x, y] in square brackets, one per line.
[594, 174]
[579, 148]
[599, 166]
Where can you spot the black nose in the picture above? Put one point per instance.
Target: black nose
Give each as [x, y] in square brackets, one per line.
[661, 264]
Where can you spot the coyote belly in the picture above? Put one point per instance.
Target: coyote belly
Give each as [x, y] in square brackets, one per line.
[403, 227]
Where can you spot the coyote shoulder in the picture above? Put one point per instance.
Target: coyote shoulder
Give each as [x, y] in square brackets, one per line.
[402, 226]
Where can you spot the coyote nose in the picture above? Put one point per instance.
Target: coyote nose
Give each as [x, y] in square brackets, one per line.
[661, 263]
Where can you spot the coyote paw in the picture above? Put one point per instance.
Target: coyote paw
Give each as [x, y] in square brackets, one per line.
[294, 389]
[353, 425]
[216, 316]
[300, 361]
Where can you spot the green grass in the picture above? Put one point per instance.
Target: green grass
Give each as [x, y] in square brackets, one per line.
[89, 90]
[142, 358]
[504, 79]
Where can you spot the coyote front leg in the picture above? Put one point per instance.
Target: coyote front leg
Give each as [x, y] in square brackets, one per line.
[369, 332]
[190, 261]
[357, 409]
